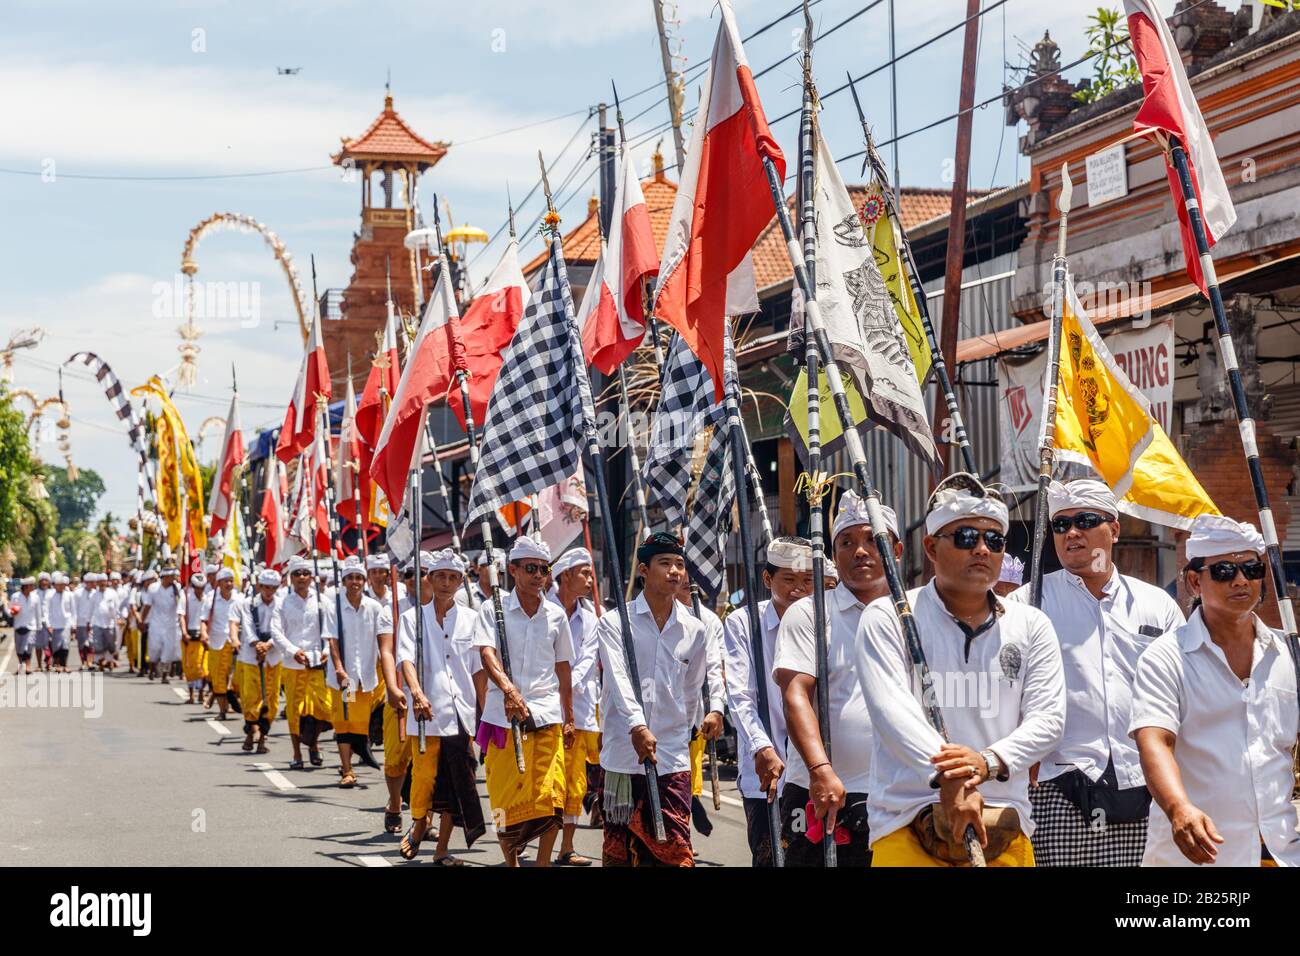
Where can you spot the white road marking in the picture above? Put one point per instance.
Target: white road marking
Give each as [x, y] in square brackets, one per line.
[375, 859]
[217, 727]
[731, 801]
[280, 781]
[9, 651]
[182, 694]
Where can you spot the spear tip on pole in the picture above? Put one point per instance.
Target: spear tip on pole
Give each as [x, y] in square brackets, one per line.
[1067, 190]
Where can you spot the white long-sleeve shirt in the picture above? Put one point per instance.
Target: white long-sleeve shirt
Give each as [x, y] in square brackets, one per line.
[536, 644]
[742, 693]
[1002, 690]
[796, 650]
[165, 608]
[362, 626]
[60, 609]
[449, 661]
[81, 604]
[300, 629]
[671, 666]
[29, 613]
[585, 674]
[716, 682]
[1235, 741]
[196, 604]
[260, 621]
[1101, 641]
[103, 612]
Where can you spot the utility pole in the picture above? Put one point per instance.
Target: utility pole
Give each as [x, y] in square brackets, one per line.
[957, 218]
[670, 82]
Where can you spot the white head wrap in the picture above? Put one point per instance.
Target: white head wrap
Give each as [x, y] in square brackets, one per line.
[794, 555]
[1081, 493]
[444, 560]
[198, 577]
[28, 581]
[299, 563]
[44, 576]
[853, 512]
[377, 562]
[952, 504]
[352, 565]
[149, 575]
[1013, 570]
[115, 576]
[225, 574]
[573, 558]
[269, 577]
[525, 548]
[209, 569]
[1219, 534]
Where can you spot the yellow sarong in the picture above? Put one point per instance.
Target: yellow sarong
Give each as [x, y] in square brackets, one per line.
[586, 749]
[902, 848]
[194, 659]
[424, 775]
[305, 695]
[539, 792]
[219, 667]
[697, 764]
[358, 721]
[397, 753]
[250, 690]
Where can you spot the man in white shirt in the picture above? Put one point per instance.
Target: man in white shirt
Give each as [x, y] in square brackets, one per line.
[574, 584]
[828, 793]
[706, 719]
[532, 684]
[302, 666]
[194, 656]
[353, 673]
[27, 613]
[479, 589]
[671, 660]
[1215, 715]
[761, 743]
[1090, 804]
[442, 702]
[257, 660]
[103, 622]
[41, 641]
[163, 614]
[81, 604]
[60, 615]
[997, 684]
[219, 632]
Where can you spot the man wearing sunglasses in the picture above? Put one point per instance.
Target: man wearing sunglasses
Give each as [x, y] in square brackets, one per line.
[538, 692]
[1215, 715]
[997, 681]
[1091, 804]
[820, 794]
[307, 700]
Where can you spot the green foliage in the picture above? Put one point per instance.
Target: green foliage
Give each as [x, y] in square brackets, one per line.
[75, 501]
[80, 551]
[1113, 65]
[15, 467]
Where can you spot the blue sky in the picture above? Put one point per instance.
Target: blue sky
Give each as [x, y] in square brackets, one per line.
[190, 89]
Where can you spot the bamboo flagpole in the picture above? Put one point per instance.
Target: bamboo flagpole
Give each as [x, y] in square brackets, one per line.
[597, 470]
[816, 481]
[938, 364]
[1047, 436]
[862, 472]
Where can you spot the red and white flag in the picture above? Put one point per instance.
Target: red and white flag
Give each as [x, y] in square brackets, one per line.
[272, 512]
[347, 462]
[612, 316]
[428, 375]
[1170, 107]
[381, 386]
[486, 329]
[722, 204]
[222, 499]
[300, 419]
[310, 511]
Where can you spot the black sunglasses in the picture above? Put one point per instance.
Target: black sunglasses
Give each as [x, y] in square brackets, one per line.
[1084, 521]
[1224, 571]
[966, 537]
[533, 567]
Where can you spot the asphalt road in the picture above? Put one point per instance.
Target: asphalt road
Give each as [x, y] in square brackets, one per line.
[124, 772]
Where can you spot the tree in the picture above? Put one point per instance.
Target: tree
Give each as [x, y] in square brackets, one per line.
[1113, 66]
[75, 501]
[16, 469]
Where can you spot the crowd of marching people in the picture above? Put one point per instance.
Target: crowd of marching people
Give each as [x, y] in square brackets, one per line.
[1109, 728]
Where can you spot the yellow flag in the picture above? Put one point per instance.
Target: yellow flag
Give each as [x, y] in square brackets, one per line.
[831, 433]
[883, 230]
[175, 447]
[1103, 421]
[168, 483]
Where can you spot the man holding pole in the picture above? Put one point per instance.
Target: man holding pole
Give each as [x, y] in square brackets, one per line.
[761, 758]
[219, 633]
[538, 692]
[997, 681]
[705, 727]
[257, 661]
[818, 793]
[307, 701]
[353, 675]
[671, 648]
[194, 656]
[1090, 804]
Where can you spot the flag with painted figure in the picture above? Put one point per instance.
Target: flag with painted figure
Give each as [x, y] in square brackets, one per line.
[1104, 421]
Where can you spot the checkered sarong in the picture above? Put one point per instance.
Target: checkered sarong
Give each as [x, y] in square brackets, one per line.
[1062, 837]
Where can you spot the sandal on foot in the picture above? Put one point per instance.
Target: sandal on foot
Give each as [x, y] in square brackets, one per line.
[572, 858]
[410, 843]
[447, 861]
[348, 780]
[261, 747]
[315, 758]
[392, 821]
[296, 764]
[247, 746]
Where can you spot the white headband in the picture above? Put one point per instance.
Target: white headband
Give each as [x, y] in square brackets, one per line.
[1081, 493]
[853, 512]
[444, 560]
[352, 566]
[952, 504]
[1219, 534]
[525, 547]
[573, 558]
[377, 562]
[1013, 570]
[792, 555]
[269, 578]
[225, 574]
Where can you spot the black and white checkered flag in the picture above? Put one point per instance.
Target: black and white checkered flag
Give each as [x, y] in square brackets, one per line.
[715, 494]
[125, 412]
[535, 427]
[685, 407]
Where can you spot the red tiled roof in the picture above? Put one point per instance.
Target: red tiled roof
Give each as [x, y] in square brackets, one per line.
[390, 138]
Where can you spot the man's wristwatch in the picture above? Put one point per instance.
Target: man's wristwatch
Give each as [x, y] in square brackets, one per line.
[997, 770]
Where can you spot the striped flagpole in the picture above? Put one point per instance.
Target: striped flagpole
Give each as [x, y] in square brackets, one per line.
[1246, 424]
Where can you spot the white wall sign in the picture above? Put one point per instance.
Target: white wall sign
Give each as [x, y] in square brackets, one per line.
[1107, 175]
